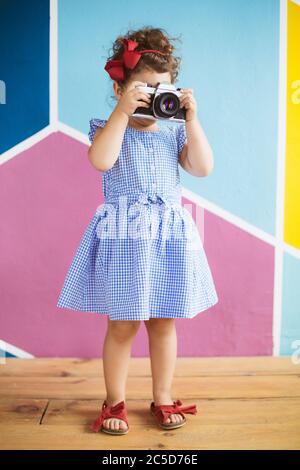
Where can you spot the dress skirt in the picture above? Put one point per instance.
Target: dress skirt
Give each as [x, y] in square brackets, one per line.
[148, 262]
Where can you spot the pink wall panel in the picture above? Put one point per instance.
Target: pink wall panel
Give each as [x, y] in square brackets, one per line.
[243, 270]
[48, 195]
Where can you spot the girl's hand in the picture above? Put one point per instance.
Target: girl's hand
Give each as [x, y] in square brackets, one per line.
[133, 98]
[187, 100]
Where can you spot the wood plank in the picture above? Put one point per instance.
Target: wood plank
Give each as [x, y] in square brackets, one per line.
[22, 410]
[243, 403]
[191, 436]
[216, 411]
[141, 387]
[187, 366]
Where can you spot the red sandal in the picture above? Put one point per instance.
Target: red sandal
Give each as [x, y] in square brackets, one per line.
[117, 411]
[163, 412]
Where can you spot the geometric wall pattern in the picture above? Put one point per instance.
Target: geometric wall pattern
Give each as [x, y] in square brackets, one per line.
[242, 63]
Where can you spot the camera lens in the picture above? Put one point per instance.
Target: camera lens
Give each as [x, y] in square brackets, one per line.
[166, 105]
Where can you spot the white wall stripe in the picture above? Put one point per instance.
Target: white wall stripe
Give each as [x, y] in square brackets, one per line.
[281, 149]
[26, 144]
[4, 346]
[291, 250]
[70, 131]
[53, 64]
[229, 217]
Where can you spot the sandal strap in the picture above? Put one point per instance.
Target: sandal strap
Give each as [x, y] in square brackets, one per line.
[116, 411]
[165, 411]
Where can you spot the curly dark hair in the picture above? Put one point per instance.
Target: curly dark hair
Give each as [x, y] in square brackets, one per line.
[149, 38]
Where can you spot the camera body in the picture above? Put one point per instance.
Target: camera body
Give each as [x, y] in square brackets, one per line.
[164, 103]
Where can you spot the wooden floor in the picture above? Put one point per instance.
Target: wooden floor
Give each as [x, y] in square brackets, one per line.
[243, 403]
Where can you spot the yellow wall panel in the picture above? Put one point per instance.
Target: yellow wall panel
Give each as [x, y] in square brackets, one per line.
[292, 169]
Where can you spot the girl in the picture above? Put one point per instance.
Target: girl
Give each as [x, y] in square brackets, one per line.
[122, 270]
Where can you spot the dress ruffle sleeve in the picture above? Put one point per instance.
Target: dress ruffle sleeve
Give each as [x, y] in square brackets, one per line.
[181, 137]
[94, 124]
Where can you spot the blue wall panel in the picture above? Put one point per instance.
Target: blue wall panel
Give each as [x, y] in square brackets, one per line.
[24, 68]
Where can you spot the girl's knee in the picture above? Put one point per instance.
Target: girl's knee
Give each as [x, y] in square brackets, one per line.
[123, 329]
[160, 325]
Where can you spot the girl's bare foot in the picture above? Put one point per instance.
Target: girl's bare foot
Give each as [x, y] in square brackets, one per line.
[174, 418]
[114, 423]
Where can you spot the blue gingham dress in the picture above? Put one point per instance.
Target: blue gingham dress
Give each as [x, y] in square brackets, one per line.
[141, 255]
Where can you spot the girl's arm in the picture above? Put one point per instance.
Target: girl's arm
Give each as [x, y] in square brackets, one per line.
[196, 156]
[107, 143]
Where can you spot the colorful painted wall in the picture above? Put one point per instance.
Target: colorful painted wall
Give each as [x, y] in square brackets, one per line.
[241, 59]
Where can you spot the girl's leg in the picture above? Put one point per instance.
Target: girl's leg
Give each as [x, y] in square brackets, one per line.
[116, 355]
[163, 351]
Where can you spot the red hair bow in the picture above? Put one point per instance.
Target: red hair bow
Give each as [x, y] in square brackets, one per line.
[115, 68]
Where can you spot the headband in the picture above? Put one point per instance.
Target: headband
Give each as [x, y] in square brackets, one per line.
[116, 68]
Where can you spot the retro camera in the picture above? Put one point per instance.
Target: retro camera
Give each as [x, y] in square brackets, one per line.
[164, 103]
